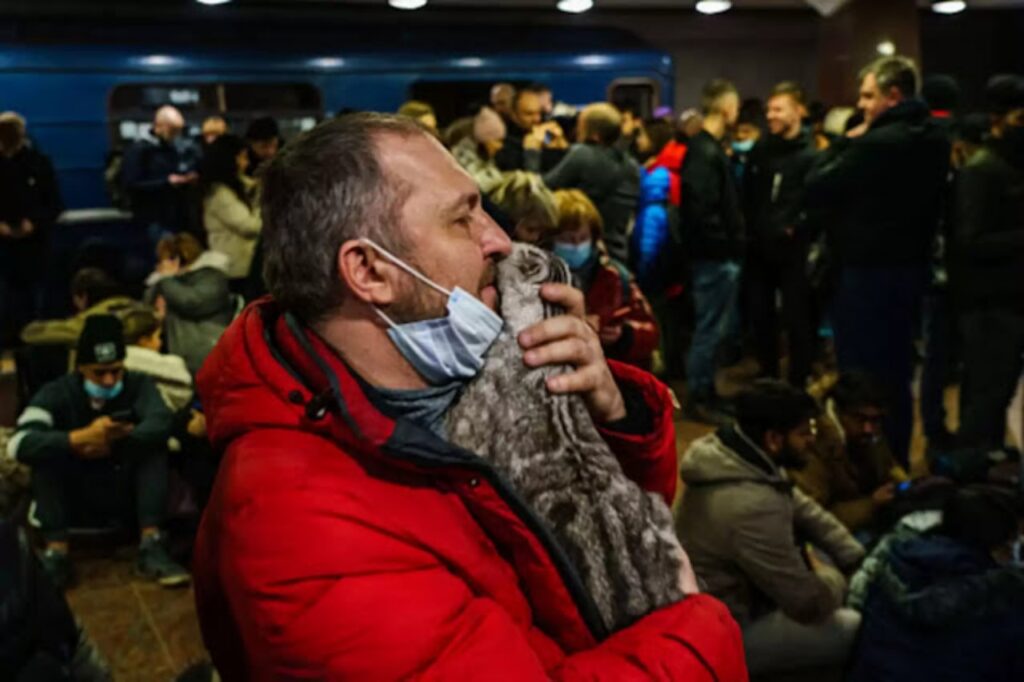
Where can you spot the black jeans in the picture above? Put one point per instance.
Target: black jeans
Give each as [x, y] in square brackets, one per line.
[993, 361]
[69, 490]
[787, 275]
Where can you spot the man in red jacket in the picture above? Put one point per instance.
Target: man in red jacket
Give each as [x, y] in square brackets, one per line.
[346, 538]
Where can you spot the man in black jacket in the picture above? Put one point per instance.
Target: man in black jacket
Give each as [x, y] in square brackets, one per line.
[96, 443]
[880, 193]
[29, 206]
[157, 174]
[713, 231]
[989, 273]
[777, 258]
[527, 131]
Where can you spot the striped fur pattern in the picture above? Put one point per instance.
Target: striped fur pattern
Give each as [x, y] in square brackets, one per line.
[619, 537]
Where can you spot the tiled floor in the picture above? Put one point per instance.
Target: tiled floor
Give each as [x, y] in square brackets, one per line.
[146, 632]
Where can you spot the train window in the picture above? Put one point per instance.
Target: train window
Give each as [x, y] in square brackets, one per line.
[295, 106]
[639, 94]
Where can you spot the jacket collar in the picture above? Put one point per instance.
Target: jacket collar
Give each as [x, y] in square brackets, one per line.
[913, 111]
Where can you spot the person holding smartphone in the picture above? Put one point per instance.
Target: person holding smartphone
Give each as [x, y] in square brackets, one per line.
[616, 308]
[96, 440]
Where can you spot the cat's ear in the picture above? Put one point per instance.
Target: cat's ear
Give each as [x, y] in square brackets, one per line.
[365, 274]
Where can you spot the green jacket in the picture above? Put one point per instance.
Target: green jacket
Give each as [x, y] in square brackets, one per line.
[66, 332]
[62, 406]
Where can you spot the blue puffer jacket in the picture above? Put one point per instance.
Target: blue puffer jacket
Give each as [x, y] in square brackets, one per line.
[938, 610]
[651, 242]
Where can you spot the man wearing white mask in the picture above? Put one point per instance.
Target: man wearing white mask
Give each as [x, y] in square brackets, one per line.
[346, 538]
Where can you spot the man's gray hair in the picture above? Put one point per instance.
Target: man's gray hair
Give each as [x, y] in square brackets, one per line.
[323, 189]
[894, 72]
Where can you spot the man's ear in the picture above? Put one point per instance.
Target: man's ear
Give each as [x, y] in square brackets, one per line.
[774, 442]
[366, 275]
[894, 95]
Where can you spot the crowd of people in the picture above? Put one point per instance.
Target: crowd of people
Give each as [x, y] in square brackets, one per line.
[341, 523]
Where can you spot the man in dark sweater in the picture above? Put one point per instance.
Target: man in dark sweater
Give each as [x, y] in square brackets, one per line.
[607, 175]
[527, 130]
[780, 235]
[989, 268]
[95, 440]
[880, 194]
[29, 206]
[713, 233]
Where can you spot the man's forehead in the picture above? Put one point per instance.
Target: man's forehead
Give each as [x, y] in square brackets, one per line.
[422, 163]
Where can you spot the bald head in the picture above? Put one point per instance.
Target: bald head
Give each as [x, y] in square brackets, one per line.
[168, 123]
[601, 123]
[502, 95]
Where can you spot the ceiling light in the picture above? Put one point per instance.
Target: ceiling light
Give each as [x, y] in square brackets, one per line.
[886, 48]
[407, 4]
[574, 6]
[213, 2]
[713, 6]
[949, 6]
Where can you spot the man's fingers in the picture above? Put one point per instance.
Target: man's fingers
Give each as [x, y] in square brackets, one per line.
[580, 381]
[568, 351]
[553, 329]
[569, 297]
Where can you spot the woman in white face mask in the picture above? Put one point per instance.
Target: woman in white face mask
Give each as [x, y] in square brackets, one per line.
[616, 308]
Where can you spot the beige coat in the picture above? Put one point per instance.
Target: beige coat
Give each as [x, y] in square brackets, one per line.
[232, 227]
[739, 525]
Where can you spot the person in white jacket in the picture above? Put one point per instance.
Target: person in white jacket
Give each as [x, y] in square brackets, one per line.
[231, 214]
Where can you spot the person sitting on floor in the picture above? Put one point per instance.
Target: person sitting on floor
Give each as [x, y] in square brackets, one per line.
[852, 472]
[190, 290]
[144, 338]
[743, 525]
[616, 308]
[95, 441]
[948, 606]
[93, 292]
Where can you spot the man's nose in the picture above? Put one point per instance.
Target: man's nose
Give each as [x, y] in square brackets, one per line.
[493, 240]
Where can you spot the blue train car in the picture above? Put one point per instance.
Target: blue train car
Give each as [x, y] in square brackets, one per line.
[81, 100]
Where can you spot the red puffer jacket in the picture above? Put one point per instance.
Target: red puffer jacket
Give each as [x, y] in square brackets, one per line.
[340, 544]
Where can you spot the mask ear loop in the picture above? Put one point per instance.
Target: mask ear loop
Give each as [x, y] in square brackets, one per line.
[404, 266]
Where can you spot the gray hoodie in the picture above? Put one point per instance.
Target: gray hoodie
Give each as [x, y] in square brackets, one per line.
[740, 523]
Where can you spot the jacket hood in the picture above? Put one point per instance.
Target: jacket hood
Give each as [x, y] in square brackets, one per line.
[654, 185]
[710, 461]
[935, 581]
[211, 259]
[268, 372]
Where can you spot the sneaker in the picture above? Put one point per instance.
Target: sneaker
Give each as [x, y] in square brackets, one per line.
[154, 562]
[57, 565]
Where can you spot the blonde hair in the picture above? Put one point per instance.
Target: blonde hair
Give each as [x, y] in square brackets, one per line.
[415, 108]
[575, 209]
[12, 129]
[524, 196]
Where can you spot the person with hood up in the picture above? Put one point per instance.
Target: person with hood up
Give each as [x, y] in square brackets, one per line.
[346, 537]
[754, 539]
[616, 308]
[948, 605]
[476, 152]
[190, 291]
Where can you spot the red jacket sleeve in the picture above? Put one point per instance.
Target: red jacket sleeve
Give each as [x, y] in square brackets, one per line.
[650, 458]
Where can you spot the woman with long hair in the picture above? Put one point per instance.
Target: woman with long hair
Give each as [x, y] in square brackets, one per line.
[231, 214]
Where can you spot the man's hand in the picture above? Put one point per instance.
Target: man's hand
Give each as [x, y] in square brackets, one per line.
[884, 495]
[27, 227]
[5, 230]
[569, 339]
[556, 136]
[858, 130]
[177, 179]
[94, 440]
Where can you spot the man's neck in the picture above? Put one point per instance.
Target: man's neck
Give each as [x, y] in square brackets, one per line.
[792, 133]
[364, 345]
[714, 125]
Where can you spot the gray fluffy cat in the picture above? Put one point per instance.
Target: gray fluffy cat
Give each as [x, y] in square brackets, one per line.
[620, 538]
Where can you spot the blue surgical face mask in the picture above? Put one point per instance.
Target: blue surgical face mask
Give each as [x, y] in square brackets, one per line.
[743, 147]
[97, 392]
[444, 349]
[575, 255]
